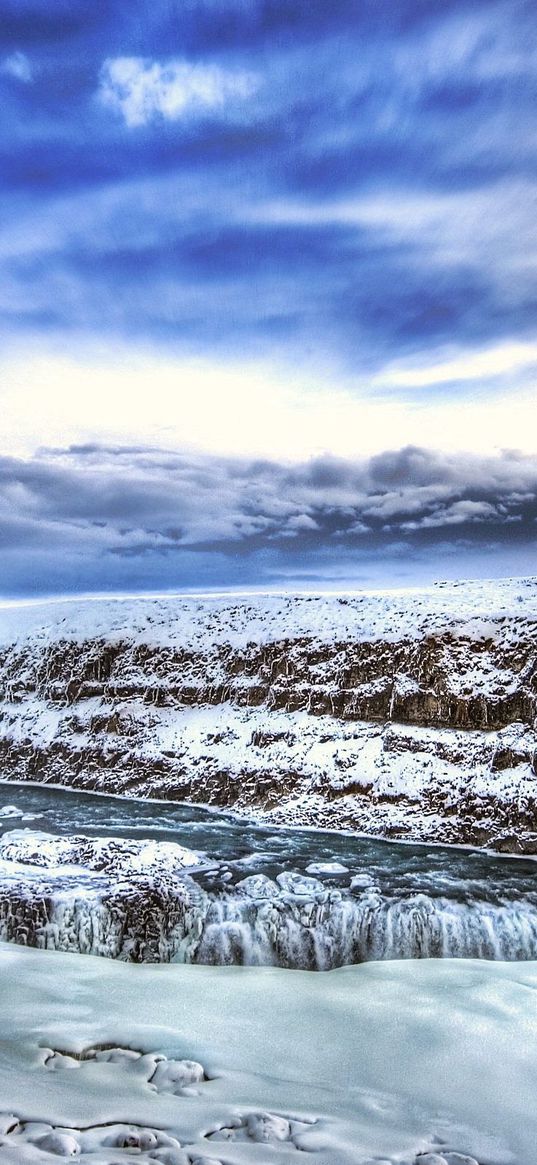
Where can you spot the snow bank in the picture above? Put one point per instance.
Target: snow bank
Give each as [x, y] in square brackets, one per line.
[380, 1063]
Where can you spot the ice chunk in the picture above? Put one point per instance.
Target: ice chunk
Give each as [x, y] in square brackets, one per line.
[360, 880]
[174, 1075]
[266, 1127]
[257, 886]
[60, 1143]
[168, 1155]
[299, 885]
[327, 868]
[131, 1137]
[115, 1055]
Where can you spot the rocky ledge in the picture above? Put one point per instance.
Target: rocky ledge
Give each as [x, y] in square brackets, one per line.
[404, 714]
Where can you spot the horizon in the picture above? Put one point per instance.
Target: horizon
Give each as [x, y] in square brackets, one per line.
[259, 592]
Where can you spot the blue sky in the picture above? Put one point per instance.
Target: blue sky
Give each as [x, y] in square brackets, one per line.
[248, 248]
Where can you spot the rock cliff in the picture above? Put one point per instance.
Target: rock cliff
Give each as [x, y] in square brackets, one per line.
[405, 714]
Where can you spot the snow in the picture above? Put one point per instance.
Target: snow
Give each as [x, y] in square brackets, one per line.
[402, 765]
[116, 856]
[203, 622]
[189, 707]
[103, 896]
[329, 869]
[379, 1063]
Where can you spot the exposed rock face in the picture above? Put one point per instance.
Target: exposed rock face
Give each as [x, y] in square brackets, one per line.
[125, 899]
[407, 715]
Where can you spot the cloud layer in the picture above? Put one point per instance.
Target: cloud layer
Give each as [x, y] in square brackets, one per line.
[156, 518]
[260, 228]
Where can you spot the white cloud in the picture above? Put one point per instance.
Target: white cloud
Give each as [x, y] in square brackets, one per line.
[18, 66]
[141, 90]
[491, 228]
[484, 364]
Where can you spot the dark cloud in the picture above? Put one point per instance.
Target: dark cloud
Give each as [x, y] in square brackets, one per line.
[92, 517]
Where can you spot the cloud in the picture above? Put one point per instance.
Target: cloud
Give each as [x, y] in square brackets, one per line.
[141, 90]
[372, 201]
[17, 65]
[140, 514]
[484, 365]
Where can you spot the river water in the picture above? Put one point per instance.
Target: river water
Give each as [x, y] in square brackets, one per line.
[300, 897]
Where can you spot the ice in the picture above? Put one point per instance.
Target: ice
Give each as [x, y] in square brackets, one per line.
[119, 856]
[258, 886]
[264, 1128]
[175, 1075]
[10, 811]
[327, 868]
[298, 885]
[137, 901]
[59, 1144]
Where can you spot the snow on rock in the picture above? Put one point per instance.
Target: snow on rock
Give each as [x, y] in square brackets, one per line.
[94, 895]
[404, 713]
[404, 1063]
[116, 856]
[107, 896]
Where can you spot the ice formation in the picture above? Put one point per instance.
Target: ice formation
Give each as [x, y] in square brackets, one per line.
[143, 901]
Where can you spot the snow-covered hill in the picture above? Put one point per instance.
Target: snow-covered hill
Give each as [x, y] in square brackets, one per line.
[401, 713]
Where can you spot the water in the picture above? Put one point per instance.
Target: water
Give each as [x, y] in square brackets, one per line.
[258, 903]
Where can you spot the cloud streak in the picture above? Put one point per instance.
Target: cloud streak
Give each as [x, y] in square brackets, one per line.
[322, 189]
[18, 66]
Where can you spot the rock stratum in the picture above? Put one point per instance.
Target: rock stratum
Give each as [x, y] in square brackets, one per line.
[405, 714]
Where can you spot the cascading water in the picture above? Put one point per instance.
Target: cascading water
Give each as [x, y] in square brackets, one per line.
[370, 901]
[182, 923]
[342, 930]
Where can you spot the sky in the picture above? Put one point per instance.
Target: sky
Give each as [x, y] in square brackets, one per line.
[268, 294]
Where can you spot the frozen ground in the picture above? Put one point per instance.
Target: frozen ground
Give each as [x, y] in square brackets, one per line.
[403, 714]
[385, 1063]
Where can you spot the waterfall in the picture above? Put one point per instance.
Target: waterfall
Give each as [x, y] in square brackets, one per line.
[292, 921]
[342, 929]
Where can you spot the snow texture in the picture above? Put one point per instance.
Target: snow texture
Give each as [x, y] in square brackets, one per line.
[403, 1063]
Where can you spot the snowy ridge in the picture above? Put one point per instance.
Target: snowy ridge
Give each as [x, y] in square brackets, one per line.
[405, 713]
[204, 622]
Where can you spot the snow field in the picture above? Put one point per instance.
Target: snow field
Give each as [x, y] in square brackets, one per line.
[402, 1063]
